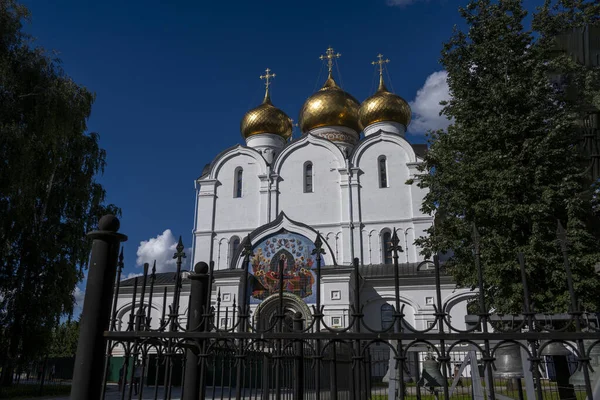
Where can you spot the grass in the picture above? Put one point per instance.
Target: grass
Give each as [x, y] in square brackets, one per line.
[408, 397]
[28, 391]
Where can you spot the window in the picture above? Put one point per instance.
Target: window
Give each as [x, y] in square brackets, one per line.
[234, 243]
[386, 238]
[387, 316]
[382, 167]
[336, 322]
[308, 177]
[238, 176]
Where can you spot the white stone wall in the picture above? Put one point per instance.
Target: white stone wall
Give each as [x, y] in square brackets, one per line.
[320, 208]
[347, 206]
[336, 296]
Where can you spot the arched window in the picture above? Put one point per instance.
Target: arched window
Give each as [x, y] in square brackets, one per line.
[386, 239]
[234, 243]
[382, 168]
[387, 316]
[308, 177]
[238, 183]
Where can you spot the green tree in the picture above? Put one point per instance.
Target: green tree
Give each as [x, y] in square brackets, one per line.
[49, 197]
[64, 339]
[510, 163]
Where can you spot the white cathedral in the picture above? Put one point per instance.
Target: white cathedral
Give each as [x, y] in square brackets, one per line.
[344, 179]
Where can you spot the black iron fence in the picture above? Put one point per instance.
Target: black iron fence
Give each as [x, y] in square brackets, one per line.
[295, 356]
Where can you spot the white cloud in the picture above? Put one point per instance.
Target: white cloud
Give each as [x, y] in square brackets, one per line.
[401, 3]
[161, 248]
[426, 105]
[79, 296]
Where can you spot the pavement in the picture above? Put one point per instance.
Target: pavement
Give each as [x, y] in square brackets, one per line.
[112, 393]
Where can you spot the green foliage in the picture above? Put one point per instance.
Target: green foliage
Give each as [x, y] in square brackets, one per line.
[511, 162]
[49, 197]
[29, 391]
[64, 340]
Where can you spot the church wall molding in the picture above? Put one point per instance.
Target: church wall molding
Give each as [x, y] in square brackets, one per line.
[382, 136]
[208, 168]
[232, 152]
[280, 223]
[398, 221]
[457, 297]
[387, 299]
[304, 141]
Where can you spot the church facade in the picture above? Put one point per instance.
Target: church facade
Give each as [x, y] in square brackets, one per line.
[345, 181]
[348, 188]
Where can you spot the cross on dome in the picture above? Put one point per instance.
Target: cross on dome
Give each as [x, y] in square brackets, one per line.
[266, 118]
[383, 106]
[267, 77]
[380, 61]
[330, 55]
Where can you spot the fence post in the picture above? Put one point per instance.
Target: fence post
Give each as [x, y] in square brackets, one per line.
[299, 358]
[95, 318]
[196, 309]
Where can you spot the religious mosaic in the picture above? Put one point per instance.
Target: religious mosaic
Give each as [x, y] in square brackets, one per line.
[298, 263]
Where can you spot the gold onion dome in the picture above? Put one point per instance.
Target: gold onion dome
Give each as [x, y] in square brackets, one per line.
[383, 105]
[330, 106]
[266, 118]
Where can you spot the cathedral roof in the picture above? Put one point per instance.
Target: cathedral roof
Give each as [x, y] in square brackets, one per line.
[208, 167]
[330, 106]
[384, 106]
[420, 149]
[162, 278]
[375, 271]
[205, 170]
[266, 118]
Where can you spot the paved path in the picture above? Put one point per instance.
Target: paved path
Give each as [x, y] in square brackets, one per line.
[112, 393]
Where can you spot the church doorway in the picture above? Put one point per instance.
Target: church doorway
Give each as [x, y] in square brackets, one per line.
[266, 317]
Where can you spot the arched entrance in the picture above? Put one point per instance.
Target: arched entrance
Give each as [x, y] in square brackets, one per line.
[265, 317]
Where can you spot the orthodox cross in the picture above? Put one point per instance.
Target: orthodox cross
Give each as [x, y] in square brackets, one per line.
[380, 61]
[330, 55]
[267, 77]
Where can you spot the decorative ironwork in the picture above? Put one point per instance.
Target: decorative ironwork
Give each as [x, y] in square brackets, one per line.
[219, 349]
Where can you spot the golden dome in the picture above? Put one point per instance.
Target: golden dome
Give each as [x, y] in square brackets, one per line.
[384, 106]
[266, 118]
[330, 106]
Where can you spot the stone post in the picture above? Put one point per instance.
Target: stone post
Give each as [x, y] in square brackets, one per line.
[95, 318]
[197, 307]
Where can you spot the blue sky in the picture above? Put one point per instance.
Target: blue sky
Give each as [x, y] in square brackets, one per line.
[174, 78]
